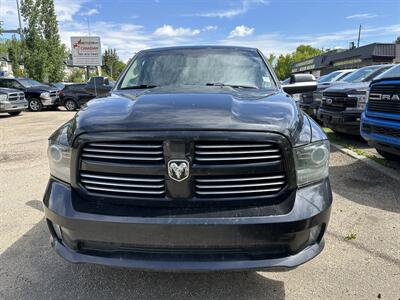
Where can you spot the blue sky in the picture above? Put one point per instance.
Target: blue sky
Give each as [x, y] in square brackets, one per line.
[276, 26]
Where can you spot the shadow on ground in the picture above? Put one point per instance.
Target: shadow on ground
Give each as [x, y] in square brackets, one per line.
[364, 185]
[30, 269]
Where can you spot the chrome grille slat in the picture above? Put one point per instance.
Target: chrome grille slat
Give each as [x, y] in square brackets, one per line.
[238, 158]
[232, 186]
[235, 152]
[116, 145]
[129, 152]
[237, 192]
[241, 179]
[232, 146]
[123, 184]
[135, 179]
[120, 157]
[89, 187]
[122, 151]
[239, 185]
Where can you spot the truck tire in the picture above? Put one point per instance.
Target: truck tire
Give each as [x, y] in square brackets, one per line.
[388, 155]
[15, 113]
[70, 105]
[35, 104]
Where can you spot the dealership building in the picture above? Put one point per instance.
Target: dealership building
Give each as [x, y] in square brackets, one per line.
[372, 54]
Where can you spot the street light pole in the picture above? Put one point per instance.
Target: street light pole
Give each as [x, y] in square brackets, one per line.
[19, 20]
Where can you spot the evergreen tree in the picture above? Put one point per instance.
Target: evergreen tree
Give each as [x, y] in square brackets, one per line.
[35, 54]
[43, 51]
[55, 50]
[112, 66]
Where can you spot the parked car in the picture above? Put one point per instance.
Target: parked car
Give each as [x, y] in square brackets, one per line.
[73, 96]
[310, 102]
[38, 94]
[197, 161]
[380, 123]
[343, 104]
[12, 101]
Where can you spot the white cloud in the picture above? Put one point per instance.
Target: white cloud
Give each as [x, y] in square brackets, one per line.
[210, 27]
[231, 12]
[241, 31]
[66, 10]
[362, 16]
[90, 12]
[169, 31]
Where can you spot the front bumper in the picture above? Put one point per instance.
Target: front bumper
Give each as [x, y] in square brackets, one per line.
[188, 240]
[50, 102]
[13, 106]
[341, 121]
[382, 140]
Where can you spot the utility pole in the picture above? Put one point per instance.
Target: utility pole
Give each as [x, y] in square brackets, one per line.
[19, 21]
[359, 36]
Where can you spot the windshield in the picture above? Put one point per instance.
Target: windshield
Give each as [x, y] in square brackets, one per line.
[29, 82]
[329, 77]
[361, 74]
[391, 73]
[198, 67]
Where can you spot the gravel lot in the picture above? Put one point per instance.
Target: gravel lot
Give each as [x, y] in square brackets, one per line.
[366, 203]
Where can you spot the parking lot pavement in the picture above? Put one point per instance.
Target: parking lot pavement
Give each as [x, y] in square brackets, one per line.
[366, 207]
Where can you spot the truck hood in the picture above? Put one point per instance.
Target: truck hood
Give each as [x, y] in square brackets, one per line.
[214, 108]
[348, 87]
[40, 89]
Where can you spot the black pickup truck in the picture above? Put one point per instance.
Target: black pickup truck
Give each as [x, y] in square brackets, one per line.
[197, 161]
[39, 95]
[73, 96]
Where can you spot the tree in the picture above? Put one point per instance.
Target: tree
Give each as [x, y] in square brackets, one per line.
[54, 48]
[397, 41]
[112, 66]
[271, 59]
[15, 54]
[283, 65]
[44, 53]
[76, 76]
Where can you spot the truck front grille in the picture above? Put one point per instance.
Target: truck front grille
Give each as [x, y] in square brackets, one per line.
[16, 96]
[376, 104]
[54, 94]
[226, 152]
[123, 185]
[143, 153]
[239, 185]
[337, 101]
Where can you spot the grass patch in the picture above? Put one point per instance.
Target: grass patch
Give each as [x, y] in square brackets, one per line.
[350, 236]
[336, 139]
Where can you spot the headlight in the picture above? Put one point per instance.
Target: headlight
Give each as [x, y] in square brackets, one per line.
[361, 100]
[3, 97]
[312, 162]
[59, 153]
[45, 95]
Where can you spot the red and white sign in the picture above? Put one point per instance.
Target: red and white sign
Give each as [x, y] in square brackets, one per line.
[86, 51]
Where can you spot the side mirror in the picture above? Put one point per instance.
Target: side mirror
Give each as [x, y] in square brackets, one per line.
[300, 83]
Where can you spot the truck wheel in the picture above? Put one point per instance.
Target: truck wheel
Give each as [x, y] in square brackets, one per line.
[15, 113]
[70, 105]
[388, 155]
[35, 104]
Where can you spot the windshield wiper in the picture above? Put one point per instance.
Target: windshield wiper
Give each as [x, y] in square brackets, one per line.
[241, 86]
[140, 86]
